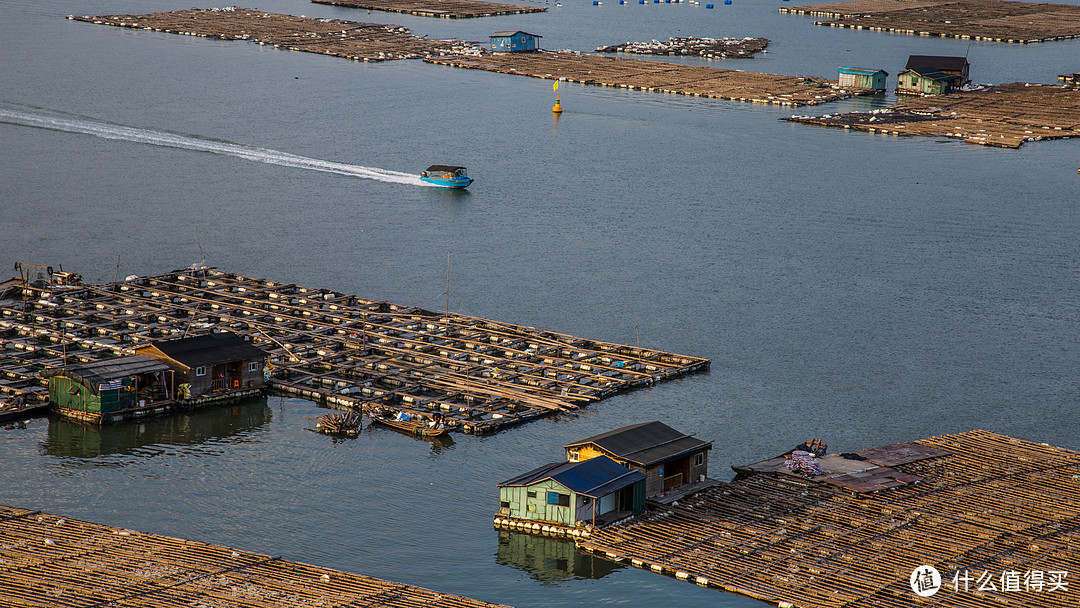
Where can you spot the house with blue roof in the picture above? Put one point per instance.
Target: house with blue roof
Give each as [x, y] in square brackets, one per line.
[587, 494]
[514, 41]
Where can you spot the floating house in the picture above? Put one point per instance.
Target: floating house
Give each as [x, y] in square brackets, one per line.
[863, 78]
[573, 495]
[514, 42]
[956, 66]
[110, 389]
[210, 364]
[926, 81]
[668, 458]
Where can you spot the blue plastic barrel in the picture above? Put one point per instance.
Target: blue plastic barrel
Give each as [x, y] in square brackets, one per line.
[708, 6]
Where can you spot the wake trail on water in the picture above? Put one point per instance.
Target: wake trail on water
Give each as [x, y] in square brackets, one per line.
[48, 120]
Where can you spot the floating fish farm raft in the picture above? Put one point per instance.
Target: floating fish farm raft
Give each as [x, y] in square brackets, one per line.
[374, 42]
[709, 48]
[369, 42]
[448, 9]
[987, 20]
[476, 374]
[659, 77]
[998, 517]
[1005, 115]
[48, 561]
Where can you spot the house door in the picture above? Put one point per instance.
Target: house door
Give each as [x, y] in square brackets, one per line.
[676, 473]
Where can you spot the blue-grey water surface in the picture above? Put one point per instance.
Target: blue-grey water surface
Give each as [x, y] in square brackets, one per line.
[864, 289]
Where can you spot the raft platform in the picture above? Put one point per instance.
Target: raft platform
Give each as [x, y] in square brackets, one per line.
[478, 375]
[58, 561]
[658, 77]
[976, 505]
[447, 9]
[368, 42]
[986, 20]
[1005, 116]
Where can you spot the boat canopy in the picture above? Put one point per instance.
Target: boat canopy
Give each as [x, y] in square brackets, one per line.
[445, 169]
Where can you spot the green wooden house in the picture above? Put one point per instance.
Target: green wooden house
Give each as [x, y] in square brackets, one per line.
[926, 81]
[595, 492]
[90, 391]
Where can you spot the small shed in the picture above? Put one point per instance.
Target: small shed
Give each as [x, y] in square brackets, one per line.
[926, 81]
[863, 78]
[211, 363]
[667, 457]
[595, 492]
[89, 390]
[514, 41]
[956, 66]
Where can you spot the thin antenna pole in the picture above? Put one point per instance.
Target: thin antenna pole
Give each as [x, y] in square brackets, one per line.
[447, 291]
[199, 243]
[637, 334]
[116, 277]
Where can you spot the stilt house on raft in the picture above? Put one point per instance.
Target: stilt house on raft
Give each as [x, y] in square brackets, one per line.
[110, 389]
[211, 364]
[668, 458]
[573, 495]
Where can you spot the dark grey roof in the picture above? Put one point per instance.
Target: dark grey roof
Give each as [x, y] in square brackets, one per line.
[933, 73]
[511, 33]
[450, 168]
[210, 349]
[97, 372]
[594, 477]
[645, 444]
[940, 62]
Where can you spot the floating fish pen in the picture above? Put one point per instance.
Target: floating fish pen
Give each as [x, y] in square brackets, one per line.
[709, 48]
[658, 77]
[1004, 116]
[447, 9]
[369, 42]
[57, 561]
[476, 375]
[977, 506]
[986, 20]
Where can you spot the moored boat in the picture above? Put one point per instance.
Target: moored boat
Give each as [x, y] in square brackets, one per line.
[446, 176]
[410, 423]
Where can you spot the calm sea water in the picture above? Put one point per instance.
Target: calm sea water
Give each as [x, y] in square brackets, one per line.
[859, 288]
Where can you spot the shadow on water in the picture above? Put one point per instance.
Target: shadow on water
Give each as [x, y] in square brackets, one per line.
[550, 559]
[73, 439]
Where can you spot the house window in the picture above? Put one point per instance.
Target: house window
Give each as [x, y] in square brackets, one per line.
[532, 493]
[699, 459]
[200, 371]
[253, 366]
[572, 456]
[504, 504]
[558, 498]
[531, 507]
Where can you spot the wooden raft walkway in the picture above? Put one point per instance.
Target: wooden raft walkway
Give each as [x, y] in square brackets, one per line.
[369, 42]
[1004, 116]
[655, 76]
[48, 561]
[481, 375]
[448, 9]
[987, 20]
[993, 504]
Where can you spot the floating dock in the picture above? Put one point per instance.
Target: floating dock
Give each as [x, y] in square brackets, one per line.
[447, 9]
[477, 374]
[369, 42]
[658, 77]
[1004, 116]
[48, 561]
[986, 20]
[998, 510]
[709, 48]
[374, 42]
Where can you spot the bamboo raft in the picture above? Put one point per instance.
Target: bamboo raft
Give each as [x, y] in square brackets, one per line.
[986, 20]
[447, 9]
[48, 561]
[1005, 116]
[709, 48]
[990, 503]
[368, 42]
[659, 77]
[477, 374]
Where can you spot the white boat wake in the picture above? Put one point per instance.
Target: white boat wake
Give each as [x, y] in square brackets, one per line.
[57, 122]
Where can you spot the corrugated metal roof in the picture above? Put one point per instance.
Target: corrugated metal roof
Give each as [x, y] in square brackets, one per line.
[937, 61]
[509, 33]
[210, 349]
[109, 369]
[645, 444]
[933, 73]
[595, 477]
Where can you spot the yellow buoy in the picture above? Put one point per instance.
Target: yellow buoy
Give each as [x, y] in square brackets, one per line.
[557, 108]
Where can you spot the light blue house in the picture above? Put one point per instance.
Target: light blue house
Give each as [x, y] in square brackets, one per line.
[863, 78]
[513, 42]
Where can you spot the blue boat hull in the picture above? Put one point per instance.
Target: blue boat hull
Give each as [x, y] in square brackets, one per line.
[452, 182]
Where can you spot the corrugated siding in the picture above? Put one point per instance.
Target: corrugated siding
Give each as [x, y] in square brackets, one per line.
[518, 497]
